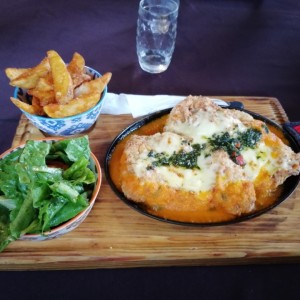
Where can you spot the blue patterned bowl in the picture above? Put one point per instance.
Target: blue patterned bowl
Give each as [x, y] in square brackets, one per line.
[69, 125]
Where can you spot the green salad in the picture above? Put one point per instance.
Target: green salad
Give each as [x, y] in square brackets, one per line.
[43, 185]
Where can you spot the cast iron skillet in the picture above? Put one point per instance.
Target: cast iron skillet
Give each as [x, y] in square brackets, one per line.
[288, 186]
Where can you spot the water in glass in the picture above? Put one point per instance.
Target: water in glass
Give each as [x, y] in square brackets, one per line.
[156, 34]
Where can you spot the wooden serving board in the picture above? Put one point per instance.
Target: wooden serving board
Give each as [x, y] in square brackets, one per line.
[115, 236]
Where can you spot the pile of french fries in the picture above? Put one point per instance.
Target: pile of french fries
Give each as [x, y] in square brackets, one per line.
[57, 90]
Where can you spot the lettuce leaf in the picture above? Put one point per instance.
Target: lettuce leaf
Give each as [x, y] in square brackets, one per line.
[79, 172]
[35, 197]
[71, 150]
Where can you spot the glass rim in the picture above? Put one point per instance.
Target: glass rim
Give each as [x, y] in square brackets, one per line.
[146, 3]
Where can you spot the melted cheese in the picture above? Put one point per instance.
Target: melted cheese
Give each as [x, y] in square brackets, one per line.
[204, 125]
[257, 159]
[195, 180]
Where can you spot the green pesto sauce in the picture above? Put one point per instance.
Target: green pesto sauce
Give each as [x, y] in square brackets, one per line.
[232, 144]
[183, 159]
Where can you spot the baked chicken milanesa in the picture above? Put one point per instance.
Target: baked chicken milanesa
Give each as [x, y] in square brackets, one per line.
[210, 164]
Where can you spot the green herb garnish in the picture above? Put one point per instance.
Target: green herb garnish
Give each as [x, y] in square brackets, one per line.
[232, 144]
[181, 158]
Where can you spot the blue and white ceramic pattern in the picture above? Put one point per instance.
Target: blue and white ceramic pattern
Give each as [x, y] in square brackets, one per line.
[69, 125]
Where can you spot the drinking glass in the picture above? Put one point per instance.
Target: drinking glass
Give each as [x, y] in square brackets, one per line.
[156, 34]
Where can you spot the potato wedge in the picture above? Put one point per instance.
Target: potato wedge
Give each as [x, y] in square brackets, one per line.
[62, 81]
[106, 79]
[24, 106]
[74, 107]
[93, 86]
[45, 97]
[44, 90]
[87, 96]
[57, 89]
[37, 107]
[30, 77]
[76, 70]
[13, 73]
[45, 83]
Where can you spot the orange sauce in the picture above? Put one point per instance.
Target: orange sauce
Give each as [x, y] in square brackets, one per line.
[203, 214]
[148, 129]
[279, 133]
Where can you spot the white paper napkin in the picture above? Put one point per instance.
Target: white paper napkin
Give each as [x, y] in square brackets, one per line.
[140, 105]
[115, 104]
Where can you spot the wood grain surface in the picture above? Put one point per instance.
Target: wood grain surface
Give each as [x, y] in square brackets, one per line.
[115, 236]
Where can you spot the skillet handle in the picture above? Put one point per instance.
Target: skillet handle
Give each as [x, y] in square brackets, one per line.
[293, 128]
[236, 105]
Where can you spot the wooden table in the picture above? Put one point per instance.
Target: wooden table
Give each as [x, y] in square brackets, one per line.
[114, 235]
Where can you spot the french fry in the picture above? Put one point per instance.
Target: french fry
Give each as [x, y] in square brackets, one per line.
[30, 77]
[62, 81]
